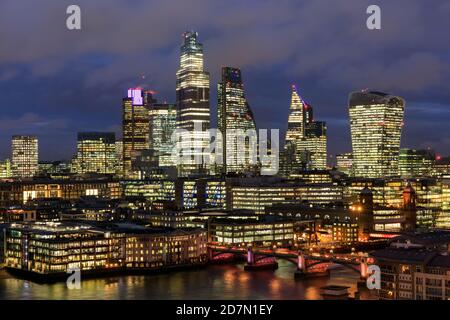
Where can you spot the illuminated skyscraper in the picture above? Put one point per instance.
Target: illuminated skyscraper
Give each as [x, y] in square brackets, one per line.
[312, 148]
[24, 156]
[376, 121]
[193, 106]
[300, 114]
[306, 140]
[163, 122]
[135, 125]
[236, 123]
[96, 152]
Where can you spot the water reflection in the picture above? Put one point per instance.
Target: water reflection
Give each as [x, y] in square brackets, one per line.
[214, 282]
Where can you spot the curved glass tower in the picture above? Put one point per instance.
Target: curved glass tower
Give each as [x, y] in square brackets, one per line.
[236, 123]
[376, 121]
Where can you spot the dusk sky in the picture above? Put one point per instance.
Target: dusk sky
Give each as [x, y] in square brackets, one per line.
[55, 82]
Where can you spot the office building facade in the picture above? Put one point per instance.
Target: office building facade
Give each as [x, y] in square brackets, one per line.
[25, 154]
[238, 148]
[193, 112]
[376, 122]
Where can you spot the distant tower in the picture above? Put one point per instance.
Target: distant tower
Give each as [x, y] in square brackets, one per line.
[25, 153]
[376, 121]
[409, 209]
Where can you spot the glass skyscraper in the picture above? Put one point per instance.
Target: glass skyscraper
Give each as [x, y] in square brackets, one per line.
[193, 107]
[135, 126]
[376, 121]
[236, 123]
[300, 113]
[96, 152]
[306, 139]
[163, 122]
[24, 156]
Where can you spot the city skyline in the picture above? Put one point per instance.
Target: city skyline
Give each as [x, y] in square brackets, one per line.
[86, 83]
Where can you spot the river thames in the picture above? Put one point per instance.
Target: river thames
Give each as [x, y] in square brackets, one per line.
[212, 282]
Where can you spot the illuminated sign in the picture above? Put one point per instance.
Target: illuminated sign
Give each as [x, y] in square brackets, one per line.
[136, 94]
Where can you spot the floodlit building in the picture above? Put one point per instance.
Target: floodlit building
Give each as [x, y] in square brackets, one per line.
[193, 108]
[24, 156]
[55, 248]
[376, 122]
[252, 231]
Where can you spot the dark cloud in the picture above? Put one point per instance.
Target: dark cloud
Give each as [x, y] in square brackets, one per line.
[321, 45]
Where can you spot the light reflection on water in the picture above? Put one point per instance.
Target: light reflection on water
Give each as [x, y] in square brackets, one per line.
[213, 282]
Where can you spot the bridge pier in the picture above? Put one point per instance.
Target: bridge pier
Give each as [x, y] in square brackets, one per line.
[364, 273]
[253, 265]
[301, 266]
[250, 256]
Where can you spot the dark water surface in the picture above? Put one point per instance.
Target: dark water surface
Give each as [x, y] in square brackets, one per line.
[212, 282]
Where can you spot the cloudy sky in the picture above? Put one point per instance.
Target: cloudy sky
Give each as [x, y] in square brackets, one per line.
[55, 82]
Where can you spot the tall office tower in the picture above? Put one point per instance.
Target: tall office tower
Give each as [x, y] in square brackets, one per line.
[193, 113]
[163, 122]
[96, 152]
[297, 118]
[135, 126]
[376, 121]
[344, 163]
[306, 140]
[312, 148]
[416, 163]
[235, 118]
[24, 156]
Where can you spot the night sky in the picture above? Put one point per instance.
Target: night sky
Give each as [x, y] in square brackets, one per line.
[55, 82]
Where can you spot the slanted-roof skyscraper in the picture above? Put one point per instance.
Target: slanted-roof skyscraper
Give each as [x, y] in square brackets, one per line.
[193, 106]
[376, 121]
[297, 118]
[236, 123]
[306, 140]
